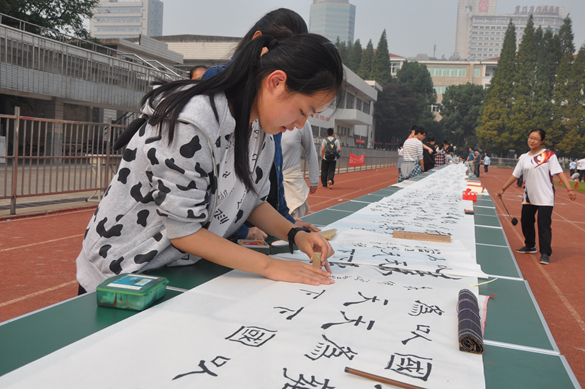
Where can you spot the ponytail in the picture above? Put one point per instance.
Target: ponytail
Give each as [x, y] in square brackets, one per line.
[241, 81]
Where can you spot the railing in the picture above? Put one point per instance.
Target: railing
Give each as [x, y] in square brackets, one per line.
[374, 159]
[85, 71]
[60, 39]
[511, 162]
[50, 157]
[46, 157]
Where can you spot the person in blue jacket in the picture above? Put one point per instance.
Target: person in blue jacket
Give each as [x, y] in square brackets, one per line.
[281, 23]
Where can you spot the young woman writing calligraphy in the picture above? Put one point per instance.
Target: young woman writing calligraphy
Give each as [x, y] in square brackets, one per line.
[199, 169]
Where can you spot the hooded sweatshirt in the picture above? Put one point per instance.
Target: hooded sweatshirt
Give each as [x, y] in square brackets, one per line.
[163, 192]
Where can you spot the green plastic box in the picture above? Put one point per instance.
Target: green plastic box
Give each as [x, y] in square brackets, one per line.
[131, 291]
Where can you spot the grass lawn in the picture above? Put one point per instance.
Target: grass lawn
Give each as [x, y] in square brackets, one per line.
[580, 189]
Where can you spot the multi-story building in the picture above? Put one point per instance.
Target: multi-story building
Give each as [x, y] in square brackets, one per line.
[201, 50]
[333, 19]
[446, 73]
[127, 19]
[480, 31]
[353, 120]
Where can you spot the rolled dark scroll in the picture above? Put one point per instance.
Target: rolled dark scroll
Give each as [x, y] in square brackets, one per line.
[470, 334]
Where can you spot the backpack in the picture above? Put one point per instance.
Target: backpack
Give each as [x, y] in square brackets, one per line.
[330, 150]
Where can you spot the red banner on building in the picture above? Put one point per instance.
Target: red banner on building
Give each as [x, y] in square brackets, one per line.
[354, 160]
[360, 141]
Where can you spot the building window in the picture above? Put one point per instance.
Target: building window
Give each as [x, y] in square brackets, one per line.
[395, 67]
[475, 72]
[358, 103]
[436, 107]
[447, 72]
[440, 90]
[350, 101]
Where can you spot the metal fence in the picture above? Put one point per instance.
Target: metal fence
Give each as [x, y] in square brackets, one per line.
[374, 159]
[45, 156]
[511, 162]
[68, 68]
[40, 157]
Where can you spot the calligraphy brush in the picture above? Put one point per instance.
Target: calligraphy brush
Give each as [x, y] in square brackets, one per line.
[514, 220]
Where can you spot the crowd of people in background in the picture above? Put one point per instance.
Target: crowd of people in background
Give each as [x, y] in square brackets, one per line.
[416, 156]
[577, 170]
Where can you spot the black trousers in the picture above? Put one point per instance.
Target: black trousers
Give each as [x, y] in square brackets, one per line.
[485, 168]
[544, 229]
[581, 175]
[327, 171]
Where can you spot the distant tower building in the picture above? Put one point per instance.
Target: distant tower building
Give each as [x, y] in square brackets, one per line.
[333, 19]
[480, 31]
[127, 19]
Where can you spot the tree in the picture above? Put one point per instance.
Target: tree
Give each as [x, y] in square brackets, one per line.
[417, 77]
[365, 67]
[567, 37]
[355, 56]
[461, 109]
[396, 110]
[66, 16]
[572, 142]
[494, 129]
[549, 56]
[381, 71]
[526, 107]
[343, 50]
[561, 109]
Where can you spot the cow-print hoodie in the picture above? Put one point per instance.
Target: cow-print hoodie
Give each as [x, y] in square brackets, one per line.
[163, 192]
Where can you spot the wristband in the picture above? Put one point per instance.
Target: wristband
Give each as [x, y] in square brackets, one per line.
[292, 234]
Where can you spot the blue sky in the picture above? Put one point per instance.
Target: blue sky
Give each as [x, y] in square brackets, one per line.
[412, 26]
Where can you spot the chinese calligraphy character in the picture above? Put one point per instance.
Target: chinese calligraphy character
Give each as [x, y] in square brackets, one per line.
[410, 366]
[419, 328]
[285, 310]
[417, 288]
[311, 293]
[355, 321]
[372, 299]
[422, 308]
[329, 349]
[218, 361]
[303, 383]
[252, 336]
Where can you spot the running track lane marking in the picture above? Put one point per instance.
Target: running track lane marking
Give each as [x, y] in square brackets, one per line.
[552, 283]
[349, 194]
[38, 293]
[34, 244]
[558, 291]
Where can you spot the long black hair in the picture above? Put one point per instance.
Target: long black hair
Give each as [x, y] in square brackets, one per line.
[311, 62]
[282, 23]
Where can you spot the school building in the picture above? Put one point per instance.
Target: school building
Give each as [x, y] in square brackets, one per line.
[445, 73]
[352, 121]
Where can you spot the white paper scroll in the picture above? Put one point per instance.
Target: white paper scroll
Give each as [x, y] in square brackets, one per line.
[243, 331]
[391, 312]
[444, 258]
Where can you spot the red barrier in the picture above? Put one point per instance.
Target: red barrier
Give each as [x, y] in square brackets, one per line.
[354, 160]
